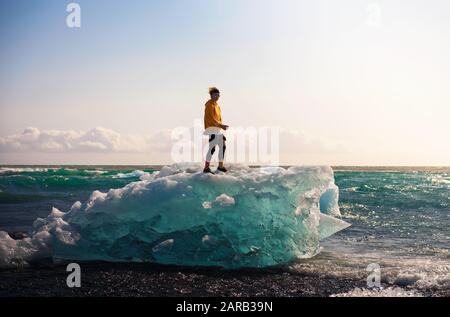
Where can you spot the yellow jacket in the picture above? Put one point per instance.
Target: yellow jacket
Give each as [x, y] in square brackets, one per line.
[213, 117]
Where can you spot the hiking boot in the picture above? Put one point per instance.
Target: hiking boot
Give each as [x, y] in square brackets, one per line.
[207, 170]
[222, 169]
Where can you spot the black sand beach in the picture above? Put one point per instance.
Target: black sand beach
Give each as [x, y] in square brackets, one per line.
[151, 280]
[136, 279]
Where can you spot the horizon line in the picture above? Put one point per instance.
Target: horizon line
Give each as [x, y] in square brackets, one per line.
[386, 168]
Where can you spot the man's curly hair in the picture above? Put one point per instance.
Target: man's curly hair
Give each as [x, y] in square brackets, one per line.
[213, 90]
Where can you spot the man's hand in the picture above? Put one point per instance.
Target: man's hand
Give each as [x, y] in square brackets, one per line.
[223, 126]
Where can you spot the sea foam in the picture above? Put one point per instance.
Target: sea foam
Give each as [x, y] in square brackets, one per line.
[249, 217]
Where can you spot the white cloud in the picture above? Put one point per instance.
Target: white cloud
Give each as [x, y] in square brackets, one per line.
[96, 140]
[106, 146]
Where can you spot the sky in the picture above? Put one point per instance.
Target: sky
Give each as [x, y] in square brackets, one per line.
[353, 82]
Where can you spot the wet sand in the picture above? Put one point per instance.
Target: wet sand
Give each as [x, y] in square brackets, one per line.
[136, 279]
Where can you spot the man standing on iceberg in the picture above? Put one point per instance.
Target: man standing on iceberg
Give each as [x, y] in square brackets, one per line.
[213, 128]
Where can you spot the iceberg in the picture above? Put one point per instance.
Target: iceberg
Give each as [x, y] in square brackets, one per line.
[249, 217]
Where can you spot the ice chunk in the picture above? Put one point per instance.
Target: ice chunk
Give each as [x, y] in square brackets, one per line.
[249, 217]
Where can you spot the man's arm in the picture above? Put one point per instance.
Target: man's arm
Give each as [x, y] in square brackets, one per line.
[210, 113]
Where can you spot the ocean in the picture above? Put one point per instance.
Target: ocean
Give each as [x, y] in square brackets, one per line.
[400, 219]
